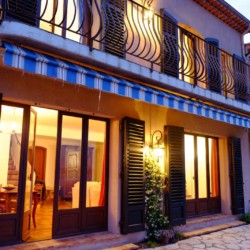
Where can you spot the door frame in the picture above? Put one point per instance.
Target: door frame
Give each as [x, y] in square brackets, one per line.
[203, 206]
[78, 217]
[14, 221]
[28, 214]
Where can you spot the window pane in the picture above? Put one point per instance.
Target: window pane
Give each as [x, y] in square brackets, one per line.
[189, 167]
[213, 167]
[10, 145]
[70, 162]
[96, 166]
[202, 172]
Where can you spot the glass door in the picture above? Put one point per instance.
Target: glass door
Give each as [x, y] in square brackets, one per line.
[30, 179]
[11, 138]
[202, 175]
[80, 202]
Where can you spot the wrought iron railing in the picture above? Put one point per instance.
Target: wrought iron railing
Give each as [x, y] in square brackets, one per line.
[130, 30]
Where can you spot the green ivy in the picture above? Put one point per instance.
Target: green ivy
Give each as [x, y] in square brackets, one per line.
[245, 218]
[156, 221]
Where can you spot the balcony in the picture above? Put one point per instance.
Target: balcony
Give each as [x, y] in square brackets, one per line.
[136, 33]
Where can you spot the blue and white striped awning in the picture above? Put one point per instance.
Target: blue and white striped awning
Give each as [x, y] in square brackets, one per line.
[38, 63]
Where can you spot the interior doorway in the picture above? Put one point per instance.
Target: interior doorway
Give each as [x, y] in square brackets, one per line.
[202, 175]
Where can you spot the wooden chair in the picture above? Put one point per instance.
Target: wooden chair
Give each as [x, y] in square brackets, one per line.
[39, 193]
[13, 205]
[3, 205]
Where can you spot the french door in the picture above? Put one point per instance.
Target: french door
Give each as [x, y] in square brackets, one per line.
[17, 126]
[80, 203]
[29, 180]
[202, 175]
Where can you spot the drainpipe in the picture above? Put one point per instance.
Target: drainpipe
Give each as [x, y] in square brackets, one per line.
[242, 39]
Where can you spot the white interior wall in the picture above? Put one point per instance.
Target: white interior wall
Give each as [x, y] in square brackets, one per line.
[4, 157]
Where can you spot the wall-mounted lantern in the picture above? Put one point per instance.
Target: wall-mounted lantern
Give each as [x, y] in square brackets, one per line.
[156, 145]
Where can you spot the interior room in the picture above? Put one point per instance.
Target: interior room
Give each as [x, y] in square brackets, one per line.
[41, 165]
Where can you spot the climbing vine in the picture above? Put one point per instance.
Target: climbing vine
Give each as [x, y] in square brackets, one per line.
[156, 221]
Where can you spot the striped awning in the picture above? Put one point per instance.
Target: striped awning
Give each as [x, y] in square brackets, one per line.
[38, 63]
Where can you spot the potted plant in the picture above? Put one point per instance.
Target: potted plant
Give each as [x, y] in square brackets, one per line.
[168, 235]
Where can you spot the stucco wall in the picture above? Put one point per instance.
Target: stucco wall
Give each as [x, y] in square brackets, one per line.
[190, 13]
[57, 94]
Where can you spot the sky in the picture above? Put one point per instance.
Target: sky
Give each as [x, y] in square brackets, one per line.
[243, 6]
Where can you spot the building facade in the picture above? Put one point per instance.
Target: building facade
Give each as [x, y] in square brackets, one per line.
[88, 86]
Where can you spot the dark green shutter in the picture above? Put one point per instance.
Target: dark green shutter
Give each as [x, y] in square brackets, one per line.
[114, 27]
[133, 193]
[175, 167]
[22, 10]
[236, 177]
[170, 46]
[213, 64]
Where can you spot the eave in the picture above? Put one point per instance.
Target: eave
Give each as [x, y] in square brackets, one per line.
[226, 13]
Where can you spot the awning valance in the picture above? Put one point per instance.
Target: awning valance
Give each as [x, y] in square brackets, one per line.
[42, 64]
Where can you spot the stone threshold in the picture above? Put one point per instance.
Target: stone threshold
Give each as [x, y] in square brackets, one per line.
[208, 224]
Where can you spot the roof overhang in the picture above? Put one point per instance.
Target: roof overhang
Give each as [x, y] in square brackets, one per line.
[226, 13]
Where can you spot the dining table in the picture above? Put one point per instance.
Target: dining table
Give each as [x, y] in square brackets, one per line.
[12, 194]
[9, 195]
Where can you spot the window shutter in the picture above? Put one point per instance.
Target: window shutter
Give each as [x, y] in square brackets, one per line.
[176, 198]
[114, 27]
[133, 193]
[236, 177]
[23, 10]
[240, 78]
[170, 46]
[213, 65]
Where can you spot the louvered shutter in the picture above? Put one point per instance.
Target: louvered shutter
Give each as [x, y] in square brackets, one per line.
[236, 177]
[22, 10]
[175, 168]
[170, 46]
[114, 27]
[213, 65]
[133, 194]
[240, 78]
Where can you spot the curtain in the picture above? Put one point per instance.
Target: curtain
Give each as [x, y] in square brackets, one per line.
[102, 192]
[214, 169]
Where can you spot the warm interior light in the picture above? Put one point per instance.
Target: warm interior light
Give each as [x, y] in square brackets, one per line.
[2, 127]
[157, 148]
[148, 14]
[158, 152]
[13, 127]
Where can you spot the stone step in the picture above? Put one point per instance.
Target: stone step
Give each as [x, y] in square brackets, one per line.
[13, 182]
[11, 167]
[11, 161]
[95, 241]
[129, 246]
[13, 176]
[206, 221]
[213, 228]
[13, 172]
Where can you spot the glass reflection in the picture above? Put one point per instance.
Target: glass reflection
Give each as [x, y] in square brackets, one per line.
[96, 164]
[10, 144]
[70, 162]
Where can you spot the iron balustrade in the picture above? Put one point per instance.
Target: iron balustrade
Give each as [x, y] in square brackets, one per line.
[130, 30]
